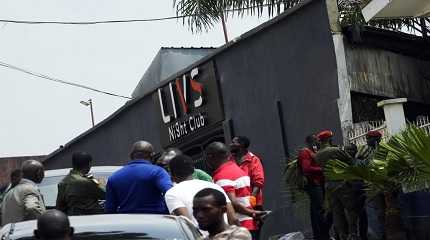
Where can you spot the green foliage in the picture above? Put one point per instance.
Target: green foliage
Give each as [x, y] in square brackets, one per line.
[294, 176]
[202, 15]
[402, 163]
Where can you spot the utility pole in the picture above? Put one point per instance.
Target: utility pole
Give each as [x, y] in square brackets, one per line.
[92, 112]
[90, 104]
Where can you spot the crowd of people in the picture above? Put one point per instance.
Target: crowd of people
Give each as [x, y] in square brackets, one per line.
[347, 209]
[226, 205]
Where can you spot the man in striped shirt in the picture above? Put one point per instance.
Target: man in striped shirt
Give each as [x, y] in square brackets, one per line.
[236, 184]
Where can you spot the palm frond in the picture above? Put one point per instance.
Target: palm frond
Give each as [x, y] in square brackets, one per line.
[202, 15]
[401, 163]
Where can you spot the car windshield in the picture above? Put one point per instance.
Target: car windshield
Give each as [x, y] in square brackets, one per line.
[49, 186]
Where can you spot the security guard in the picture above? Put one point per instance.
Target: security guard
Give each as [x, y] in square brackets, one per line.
[344, 207]
[79, 193]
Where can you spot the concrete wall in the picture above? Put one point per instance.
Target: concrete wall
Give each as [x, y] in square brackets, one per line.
[386, 73]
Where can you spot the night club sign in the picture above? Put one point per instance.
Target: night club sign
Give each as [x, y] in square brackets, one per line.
[188, 104]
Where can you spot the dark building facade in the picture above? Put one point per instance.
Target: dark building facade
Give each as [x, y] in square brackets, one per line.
[276, 84]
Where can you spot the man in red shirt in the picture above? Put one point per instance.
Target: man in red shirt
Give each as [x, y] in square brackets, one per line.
[251, 165]
[314, 188]
[235, 183]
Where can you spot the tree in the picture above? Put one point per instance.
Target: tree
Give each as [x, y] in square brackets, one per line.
[202, 15]
[400, 165]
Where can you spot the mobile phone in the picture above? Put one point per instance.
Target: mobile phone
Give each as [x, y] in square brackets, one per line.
[268, 212]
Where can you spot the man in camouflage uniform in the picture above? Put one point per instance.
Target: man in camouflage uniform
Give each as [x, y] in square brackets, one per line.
[375, 209]
[365, 152]
[79, 193]
[341, 200]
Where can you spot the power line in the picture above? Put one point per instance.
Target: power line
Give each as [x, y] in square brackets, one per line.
[119, 21]
[59, 80]
[92, 22]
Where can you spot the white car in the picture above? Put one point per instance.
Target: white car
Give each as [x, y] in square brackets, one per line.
[115, 227]
[49, 185]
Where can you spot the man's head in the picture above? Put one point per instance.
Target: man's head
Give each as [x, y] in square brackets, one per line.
[53, 225]
[325, 137]
[209, 206]
[15, 177]
[216, 154]
[165, 158]
[373, 138]
[81, 161]
[239, 144]
[181, 168]
[33, 170]
[311, 141]
[351, 150]
[142, 150]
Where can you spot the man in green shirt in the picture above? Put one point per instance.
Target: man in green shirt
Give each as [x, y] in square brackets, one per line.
[170, 153]
[79, 193]
[345, 208]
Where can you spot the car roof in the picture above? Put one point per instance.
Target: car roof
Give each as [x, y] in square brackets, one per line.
[102, 222]
[94, 169]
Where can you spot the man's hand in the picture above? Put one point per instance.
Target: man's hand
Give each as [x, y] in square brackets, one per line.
[259, 215]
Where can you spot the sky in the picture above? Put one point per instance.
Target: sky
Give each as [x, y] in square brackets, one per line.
[36, 115]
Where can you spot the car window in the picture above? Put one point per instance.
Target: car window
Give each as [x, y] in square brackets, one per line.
[190, 229]
[102, 177]
[49, 186]
[49, 189]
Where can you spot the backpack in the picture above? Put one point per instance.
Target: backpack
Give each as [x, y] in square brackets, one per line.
[294, 175]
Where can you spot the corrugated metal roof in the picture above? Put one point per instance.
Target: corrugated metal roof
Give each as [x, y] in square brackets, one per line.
[167, 62]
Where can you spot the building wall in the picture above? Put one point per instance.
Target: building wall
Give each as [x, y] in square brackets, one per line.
[8, 164]
[292, 62]
[110, 143]
[386, 73]
[278, 84]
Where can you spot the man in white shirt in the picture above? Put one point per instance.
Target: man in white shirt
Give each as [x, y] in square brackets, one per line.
[179, 198]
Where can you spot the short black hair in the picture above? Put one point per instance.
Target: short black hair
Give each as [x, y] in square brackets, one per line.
[244, 141]
[219, 197]
[81, 160]
[310, 139]
[217, 149]
[47, 230]
[16, 173]
[181, 166]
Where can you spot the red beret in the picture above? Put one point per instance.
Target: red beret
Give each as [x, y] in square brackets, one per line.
[325, 135]
[374, 134]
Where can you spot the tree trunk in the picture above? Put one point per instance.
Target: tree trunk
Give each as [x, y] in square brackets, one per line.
[394, 227]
